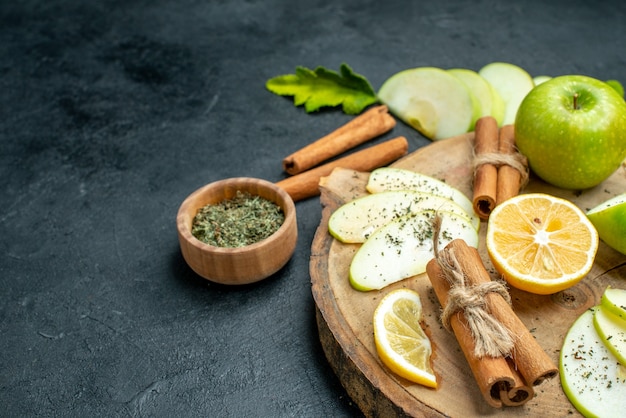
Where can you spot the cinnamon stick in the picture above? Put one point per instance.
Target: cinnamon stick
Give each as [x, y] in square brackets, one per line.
[306, 184]
[527, 356]
[497, 381]
[485, 173]
[509, 177]
[359, 130]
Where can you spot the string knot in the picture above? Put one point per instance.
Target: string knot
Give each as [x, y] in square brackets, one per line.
[491, 337]
[516, 160]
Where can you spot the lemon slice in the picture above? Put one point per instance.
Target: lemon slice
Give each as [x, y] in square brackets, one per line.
[400, 340]
[541, 243]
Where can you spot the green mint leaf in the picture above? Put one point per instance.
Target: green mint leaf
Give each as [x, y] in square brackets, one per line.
[325, 88]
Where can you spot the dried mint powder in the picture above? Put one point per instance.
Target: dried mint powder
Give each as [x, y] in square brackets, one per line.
[242, 220]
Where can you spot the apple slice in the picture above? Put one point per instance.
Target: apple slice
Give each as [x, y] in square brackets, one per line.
[512, 82]
[617, 86]
[591, 376]
[612, 331]
[403, 247]
[389, 178]
[540, 79]
[430, 100]
[614, 300]
[355, 221]
[489, 102]
[609, 218]
[498, 108]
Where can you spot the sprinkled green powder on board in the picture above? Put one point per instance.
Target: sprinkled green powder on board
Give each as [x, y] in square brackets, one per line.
[243, 220]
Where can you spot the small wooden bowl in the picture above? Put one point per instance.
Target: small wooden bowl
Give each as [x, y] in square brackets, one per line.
[241, 265]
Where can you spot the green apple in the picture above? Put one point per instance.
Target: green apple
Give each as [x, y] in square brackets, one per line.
[403, 247]
[609, 218]
[612, 332]
[489, 102]
[390, 178]
[356, 220]
[590, 374]
[430, 100]
[614, 301]
[512, 82]
[572, 129]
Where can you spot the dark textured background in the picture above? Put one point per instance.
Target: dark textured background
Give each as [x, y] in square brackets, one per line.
[112, 112]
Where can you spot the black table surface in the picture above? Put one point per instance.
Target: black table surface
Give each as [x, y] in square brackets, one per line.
[112, 112]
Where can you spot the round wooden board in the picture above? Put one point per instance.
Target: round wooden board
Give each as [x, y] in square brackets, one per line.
[344, 315]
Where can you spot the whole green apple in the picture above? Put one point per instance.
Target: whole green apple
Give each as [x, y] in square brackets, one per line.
[572, 129]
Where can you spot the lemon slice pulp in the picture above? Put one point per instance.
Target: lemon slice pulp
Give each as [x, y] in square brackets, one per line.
[400, 340]
[541, 243]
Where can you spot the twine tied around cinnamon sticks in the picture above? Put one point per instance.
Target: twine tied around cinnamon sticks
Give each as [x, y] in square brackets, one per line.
[490, 336]
[504, 357]
[517, 161]
[500, 172]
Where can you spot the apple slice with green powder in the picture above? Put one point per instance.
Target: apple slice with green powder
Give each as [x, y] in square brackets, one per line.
[592, 378]
[390, 178]
[489, 101]
[356, 220]
[612, 331]
[403, 247]
[430, 100]
[614, 300]
[512, 82]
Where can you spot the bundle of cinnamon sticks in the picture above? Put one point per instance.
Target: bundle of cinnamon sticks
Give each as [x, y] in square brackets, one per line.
[499, 170]
[304, 164]
[505, 359]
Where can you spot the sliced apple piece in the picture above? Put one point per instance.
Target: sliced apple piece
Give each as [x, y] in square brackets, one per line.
[591, 376]
[389, 178]
[430, 100]
[617, 86]
[612, 331]
[614, 300]
[355, 221]
[540, 79]
[489, 102]
[403, 247]
[512, 82]
[498, 109]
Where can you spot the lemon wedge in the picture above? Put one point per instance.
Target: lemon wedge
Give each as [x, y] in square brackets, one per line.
[400, 340]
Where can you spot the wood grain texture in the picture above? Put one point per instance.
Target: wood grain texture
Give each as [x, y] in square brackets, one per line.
[345, 315]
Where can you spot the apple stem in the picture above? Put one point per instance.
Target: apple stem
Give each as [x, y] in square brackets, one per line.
[576, 101]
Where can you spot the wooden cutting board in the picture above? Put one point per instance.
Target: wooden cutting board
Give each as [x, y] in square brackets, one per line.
[344, 315]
